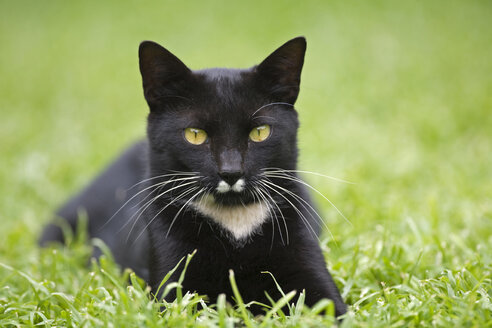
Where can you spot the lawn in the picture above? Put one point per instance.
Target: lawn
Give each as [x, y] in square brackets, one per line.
[395, 97]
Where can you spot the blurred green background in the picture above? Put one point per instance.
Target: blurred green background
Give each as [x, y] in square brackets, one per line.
[396, 96]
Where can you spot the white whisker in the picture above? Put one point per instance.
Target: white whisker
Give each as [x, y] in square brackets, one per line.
[270, 104]
[276, 219]
[183, 194]
[304, 219]
[156, 186]
[301, 201]
[296, 179]
[272, 212]
[278, 170]
[255, 194]
[162, 176]
[146, 205]
[182, 207]
[164, 183]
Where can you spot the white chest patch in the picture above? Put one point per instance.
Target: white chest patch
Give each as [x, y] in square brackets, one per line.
[241, 221]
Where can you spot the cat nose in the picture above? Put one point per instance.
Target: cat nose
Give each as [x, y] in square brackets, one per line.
[229, 166]
[231, 177]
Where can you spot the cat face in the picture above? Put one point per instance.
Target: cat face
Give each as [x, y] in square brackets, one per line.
[225, 125]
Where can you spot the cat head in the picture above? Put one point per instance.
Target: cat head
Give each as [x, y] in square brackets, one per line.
[224, 125]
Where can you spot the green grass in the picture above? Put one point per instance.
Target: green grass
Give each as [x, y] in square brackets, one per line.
[396, 97]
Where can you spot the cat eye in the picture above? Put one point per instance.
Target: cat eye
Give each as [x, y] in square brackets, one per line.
[260, 133]
[195, 136]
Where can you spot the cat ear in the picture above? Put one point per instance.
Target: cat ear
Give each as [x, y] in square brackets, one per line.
[281, 71]
[165, 77]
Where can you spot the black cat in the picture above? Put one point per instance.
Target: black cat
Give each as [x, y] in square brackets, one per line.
[216, 174]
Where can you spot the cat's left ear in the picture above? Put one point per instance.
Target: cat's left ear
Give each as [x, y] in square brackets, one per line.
[281, 71]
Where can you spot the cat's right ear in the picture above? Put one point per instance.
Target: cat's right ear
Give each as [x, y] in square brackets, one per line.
[280, 73]
[165, 78]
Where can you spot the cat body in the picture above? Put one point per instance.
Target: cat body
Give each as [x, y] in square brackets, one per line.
[216, 174]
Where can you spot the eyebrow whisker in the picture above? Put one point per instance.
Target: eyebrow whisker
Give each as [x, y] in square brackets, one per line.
[271, 104]
[264, 116]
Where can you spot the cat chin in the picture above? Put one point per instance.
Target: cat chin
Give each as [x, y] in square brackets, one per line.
[241, 221]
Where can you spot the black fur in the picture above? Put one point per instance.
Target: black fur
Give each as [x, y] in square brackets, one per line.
[227, 104]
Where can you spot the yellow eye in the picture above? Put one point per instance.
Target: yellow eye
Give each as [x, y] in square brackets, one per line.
[260, 133]
[195, 136]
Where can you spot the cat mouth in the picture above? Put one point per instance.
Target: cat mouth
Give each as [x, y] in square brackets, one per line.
[232, 198]
[232, 194]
